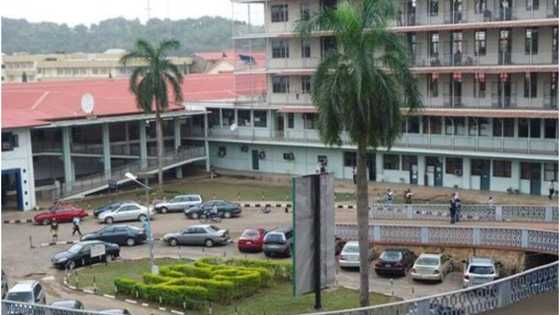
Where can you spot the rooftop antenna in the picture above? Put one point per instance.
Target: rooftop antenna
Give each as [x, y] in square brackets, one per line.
[148, 10]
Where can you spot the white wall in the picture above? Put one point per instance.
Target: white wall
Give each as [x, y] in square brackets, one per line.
[21, 158]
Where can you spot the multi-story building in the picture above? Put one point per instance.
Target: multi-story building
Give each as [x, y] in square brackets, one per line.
[45, 67]
[487, 71]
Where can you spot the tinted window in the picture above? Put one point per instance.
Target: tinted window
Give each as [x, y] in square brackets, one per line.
[391, 256]
[250, 233]
[428, 261]
[37, 290]
[481, 270]
[351, 249]
[274, 238]
[20, 296]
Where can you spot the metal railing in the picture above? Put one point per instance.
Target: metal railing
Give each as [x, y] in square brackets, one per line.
[541, 241]
[474, 300]
[20, 308]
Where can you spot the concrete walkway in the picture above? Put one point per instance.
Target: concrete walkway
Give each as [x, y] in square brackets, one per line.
[544, 304]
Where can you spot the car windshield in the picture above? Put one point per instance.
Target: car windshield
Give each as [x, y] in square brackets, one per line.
[391, 256]
[351, 249]
[274, 238]
[20, 296]
[428, 261]
[75, 248]
[482, 270]
[250, 234]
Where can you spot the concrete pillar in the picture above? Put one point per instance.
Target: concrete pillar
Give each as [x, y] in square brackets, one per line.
[421, 170]
[206, 146]
[106, 150]
[69, 177]
[379, 167]
[126, 138]
[177, 138]
[516, 174]
[467, 173]
[143, 143]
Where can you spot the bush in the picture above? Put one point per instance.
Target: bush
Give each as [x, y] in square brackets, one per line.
[192, 271]
[150, 278]
[218, 291]
[166, 271]
[125, 285]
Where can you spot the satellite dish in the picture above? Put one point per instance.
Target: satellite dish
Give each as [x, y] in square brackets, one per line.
[233, 127]
[87, 103]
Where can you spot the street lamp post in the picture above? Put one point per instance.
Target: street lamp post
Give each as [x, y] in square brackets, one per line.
[149, 225]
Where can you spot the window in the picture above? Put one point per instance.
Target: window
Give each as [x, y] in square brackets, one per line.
[550, 128]
[454, 166]
[479, 166]
[309, 121]
[480, 43]
[532, 4]
[523, 128]
[525, 170]
[480, 6]
[502, 168]
[448, 126]
[434, 7]
[279, 13]
[413, 124]
[328, 46]
[244, 118]
[531, 41]
[305, 48]
[479, 88]
[221, 151]
[484, 127]
[213, 118]
[535, 128]
[260, 118]
[459, 123]
[434, 44]
[497, 125]
[280, 48]
[290, 120]
[280, 84]
[408, 161]
[433, 86]
[550, 172]
[322, 159]
[9, 141]
[349, 159]
[509, 127]
[228, 117]
[473, 126]
[435, 125]
[306, 84]
[530, 87]
[390, 162]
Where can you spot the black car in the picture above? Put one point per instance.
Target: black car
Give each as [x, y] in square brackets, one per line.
[119, 234]
[225, 209]
[86, 253]
[68, 304]
[109, 207]
[394, 261]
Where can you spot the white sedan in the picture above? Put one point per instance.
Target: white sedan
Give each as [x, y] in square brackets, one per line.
[125, 212]
[350, 255]
[431, 267]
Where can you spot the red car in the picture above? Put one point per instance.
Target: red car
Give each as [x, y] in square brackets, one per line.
[61, 214]
[251, 240]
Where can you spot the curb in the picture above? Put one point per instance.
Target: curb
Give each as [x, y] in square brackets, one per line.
[58, 243]
[18, 221]
[129, 301]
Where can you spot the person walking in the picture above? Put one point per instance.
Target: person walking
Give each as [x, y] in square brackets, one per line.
[491, 202]
[54, 230]
[408, 196]
[551, 189]
[452, 209]
[457, 207]
[354, 174]
[76, 226]
[389, 196]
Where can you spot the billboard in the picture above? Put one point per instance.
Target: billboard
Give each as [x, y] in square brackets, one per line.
[313, 193]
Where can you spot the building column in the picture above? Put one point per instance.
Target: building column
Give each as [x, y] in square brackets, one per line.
[106, 150]
[466, 173]
[206, 146]
[285, 124]
[379, 167]
[421, 170]
[177, 138]
[69, 177]
[516, 174]
[143, 144]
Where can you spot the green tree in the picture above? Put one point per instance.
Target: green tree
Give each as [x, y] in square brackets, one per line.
[150, 84]
[360, 88]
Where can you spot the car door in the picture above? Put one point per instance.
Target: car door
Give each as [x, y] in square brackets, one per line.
[119, 235]
[83, 258]
[178, 203]
[187, 236]
[106, 234]
[126, 213]
[201, 235]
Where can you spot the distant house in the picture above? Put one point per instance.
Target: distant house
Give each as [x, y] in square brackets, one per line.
[225, 61]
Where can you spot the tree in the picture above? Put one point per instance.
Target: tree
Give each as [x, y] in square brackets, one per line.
[360, 88]
[150, 84]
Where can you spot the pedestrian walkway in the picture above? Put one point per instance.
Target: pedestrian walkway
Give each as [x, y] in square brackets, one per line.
[543, 304]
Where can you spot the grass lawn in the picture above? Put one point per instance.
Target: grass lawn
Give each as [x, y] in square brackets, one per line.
[275, 300]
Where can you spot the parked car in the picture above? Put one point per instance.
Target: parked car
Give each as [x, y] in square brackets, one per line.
[251, 240]
[394, 261]
[86, 253]
[60, 214]
[109, 207]
[278, 242]
[178, 203]
[4, 284]
[119, 234]
[350, 255]
[116, 311]
[68, 304]
[202, 234]
[125, 212]
[27, 291]
[225, 209]
[431, 267]
[479, 271]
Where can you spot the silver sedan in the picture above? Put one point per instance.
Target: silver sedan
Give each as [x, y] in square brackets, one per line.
[203, 234]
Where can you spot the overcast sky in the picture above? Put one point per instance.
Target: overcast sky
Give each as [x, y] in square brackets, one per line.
[73, 12]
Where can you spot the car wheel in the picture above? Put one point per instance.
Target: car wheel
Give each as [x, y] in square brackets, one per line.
[194, 215]
[130, 241]
[173, 242]
[227, 215]
[70, 265]
[164, 210]
[46, 222]
[142, 217]
[209, 243]
[109, 220]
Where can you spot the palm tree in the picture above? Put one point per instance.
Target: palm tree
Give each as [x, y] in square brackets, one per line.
[149, 82]
[360, 88]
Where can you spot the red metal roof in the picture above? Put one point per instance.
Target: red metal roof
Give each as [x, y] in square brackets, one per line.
[40, 102]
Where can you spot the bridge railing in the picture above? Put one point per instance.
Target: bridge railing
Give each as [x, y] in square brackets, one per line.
[20, 308]
[541, 241]
[474, 300]
[469, 212]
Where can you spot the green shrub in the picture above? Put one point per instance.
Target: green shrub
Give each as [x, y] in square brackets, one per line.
[125, 285]
[150, 278]
[190, 270]
[218, 291]
[166, 271]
